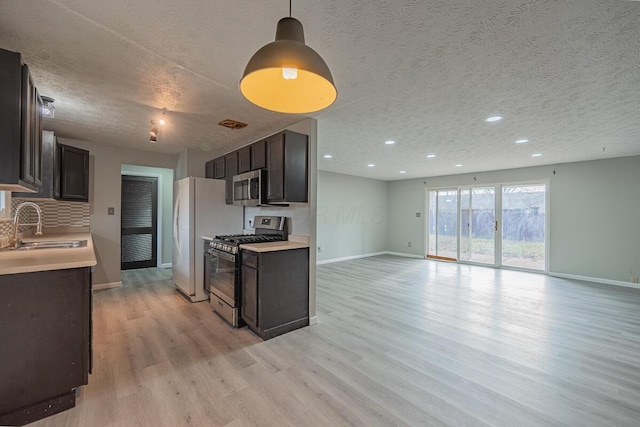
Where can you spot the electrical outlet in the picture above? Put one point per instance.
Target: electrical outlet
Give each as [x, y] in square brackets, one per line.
[111, 211]
[319, 249]
[417, 214]
[409, 244]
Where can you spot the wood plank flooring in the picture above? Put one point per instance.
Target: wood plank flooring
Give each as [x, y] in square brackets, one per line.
[399, 341]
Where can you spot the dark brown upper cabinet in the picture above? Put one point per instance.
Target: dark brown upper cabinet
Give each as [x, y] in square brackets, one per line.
[287, 160]
[208, 169]
[46, 190]
[73, 173]
[231, 167]
[244, 159]
[219, 170]
[20, 126]
[65, 172]
[259, 155]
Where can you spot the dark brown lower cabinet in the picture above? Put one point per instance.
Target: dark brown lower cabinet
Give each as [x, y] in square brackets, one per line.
[45, 336]
[275, 291]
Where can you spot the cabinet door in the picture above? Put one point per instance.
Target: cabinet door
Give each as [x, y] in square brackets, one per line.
[244, 160]
[295, 167]
[218, 168]
[249, 288]
[74, 173]
[208, 169]
[27, 154]
[36, 138]
[231, 166]
[275, 166]
[259, 155]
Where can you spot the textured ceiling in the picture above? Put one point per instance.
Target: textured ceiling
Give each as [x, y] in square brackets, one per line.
[564, 74]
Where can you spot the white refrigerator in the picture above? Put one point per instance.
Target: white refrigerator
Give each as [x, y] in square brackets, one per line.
[199, 210]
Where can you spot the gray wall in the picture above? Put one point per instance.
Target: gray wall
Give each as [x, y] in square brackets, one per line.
[165, 202]
[104, 191]
[594, 209]
[352, 216]
[191, 162]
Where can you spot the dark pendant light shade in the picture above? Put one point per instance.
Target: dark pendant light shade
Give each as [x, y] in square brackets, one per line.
[288, 76]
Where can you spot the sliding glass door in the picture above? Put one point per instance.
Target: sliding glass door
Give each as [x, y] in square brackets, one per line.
[524, 226]
[478, 225]
[498, 225]
[443, 224]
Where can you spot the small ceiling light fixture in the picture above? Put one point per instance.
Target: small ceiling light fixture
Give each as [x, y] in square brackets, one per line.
[153, 132]
[403, 171]
[288, 76]
[459, 165]
[493, 119]
[370, 165]
[328, 156]
[47, 110]
[390, 142]
[430, 156]
[163, 120]
[536, 155]
[522, 141]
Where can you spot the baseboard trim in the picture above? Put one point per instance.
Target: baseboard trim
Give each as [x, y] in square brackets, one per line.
[313, 320]
[404, 255]
[347, 258]
[111, 285]
[166, 265]
[596, 280]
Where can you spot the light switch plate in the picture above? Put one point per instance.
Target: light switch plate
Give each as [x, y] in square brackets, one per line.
[111, 211]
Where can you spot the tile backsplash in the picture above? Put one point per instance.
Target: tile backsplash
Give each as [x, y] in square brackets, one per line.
[55, 213]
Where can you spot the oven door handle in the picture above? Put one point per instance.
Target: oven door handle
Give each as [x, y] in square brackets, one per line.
[222, 255]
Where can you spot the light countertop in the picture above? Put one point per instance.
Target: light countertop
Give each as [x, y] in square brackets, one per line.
[274, 246]
[28, 261]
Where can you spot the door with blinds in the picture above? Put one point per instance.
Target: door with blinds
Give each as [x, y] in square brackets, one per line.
[139, 222]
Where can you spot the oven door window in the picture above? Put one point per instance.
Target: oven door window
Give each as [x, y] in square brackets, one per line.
[222, 280]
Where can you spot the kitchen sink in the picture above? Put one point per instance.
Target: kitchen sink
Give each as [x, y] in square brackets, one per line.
[50, 244]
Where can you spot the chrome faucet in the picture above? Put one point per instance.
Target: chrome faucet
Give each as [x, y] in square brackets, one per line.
[16, 222]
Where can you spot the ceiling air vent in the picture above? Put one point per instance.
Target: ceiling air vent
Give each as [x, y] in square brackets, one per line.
[232, 124]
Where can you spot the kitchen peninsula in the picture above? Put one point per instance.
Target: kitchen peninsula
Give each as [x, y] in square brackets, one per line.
[45, 328]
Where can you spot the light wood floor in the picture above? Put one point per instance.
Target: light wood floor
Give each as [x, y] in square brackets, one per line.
[399, 342]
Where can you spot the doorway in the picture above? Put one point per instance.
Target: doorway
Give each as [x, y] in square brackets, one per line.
[138, 222]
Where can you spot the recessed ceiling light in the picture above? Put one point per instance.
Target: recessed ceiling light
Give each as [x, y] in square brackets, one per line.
[328, 156]
[430, 156]
[522, 141]
[390, 142]
[493, 119]
[536, 155]
[371, 165]
[403, 171]
[458, 165]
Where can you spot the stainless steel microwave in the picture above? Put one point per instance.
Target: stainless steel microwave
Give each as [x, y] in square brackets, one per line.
[250, 189]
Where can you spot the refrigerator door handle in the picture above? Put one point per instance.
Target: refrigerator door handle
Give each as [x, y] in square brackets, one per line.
[176, 221]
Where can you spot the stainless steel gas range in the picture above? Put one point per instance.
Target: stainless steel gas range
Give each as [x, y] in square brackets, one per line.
[223, 264]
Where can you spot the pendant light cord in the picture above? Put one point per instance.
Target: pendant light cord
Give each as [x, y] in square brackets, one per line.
[289, 8]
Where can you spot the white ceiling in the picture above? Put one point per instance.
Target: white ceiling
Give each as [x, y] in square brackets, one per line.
[564, 74]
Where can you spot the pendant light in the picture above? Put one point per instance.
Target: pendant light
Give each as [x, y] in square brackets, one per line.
[288, 76]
